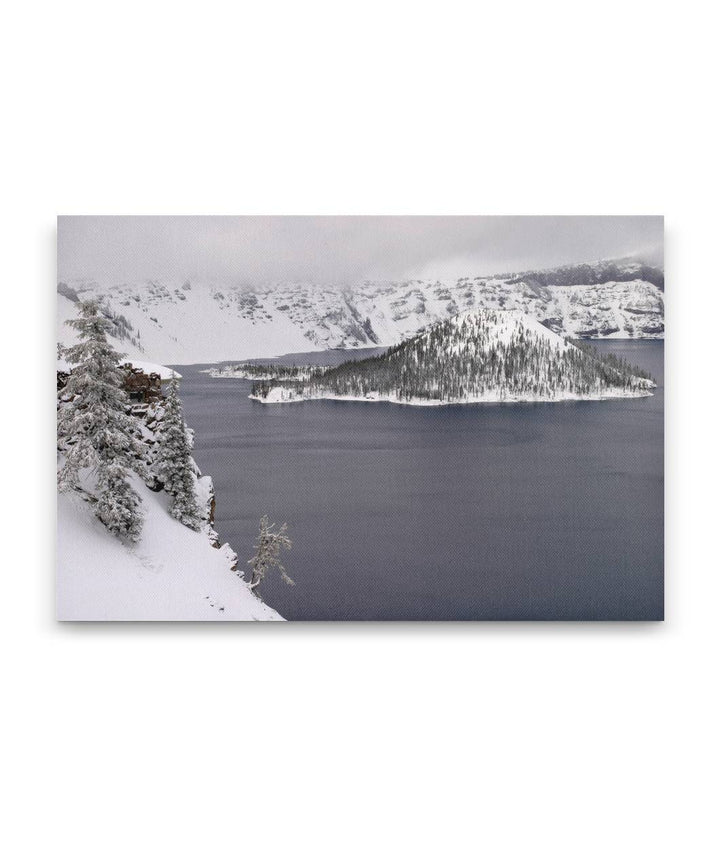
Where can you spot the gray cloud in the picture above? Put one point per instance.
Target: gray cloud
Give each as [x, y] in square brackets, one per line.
[340, 250]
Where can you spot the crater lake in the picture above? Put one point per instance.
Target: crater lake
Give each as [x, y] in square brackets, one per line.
[474, 511]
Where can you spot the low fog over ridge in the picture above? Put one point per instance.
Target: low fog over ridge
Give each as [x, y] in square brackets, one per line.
[341, 251]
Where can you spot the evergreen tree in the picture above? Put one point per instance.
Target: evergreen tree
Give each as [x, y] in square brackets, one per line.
[267, 552]
[94, 428]
[174, 466]
[118, 505]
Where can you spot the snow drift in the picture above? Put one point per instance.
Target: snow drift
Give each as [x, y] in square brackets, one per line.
[171, 574]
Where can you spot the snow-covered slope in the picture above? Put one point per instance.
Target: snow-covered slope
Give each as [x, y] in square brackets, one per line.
[164, 372]
[171, 574]
[184, 322]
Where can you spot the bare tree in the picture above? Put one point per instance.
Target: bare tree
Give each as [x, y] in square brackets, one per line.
[267, 552]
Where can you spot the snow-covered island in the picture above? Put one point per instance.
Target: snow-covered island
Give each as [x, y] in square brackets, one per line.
[264, 371]
[477, 356]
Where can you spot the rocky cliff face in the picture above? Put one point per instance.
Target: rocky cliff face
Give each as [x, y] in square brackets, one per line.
[195, 322]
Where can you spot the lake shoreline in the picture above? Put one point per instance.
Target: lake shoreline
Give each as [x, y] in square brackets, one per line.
[422, 402]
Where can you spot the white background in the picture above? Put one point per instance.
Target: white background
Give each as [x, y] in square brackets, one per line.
[500, 739]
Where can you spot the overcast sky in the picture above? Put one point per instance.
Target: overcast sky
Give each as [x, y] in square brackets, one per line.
[340, 250]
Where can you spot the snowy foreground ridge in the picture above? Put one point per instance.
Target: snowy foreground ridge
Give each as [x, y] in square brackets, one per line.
[479, 356]
[171, 574]
[158, 557]
[187, 322]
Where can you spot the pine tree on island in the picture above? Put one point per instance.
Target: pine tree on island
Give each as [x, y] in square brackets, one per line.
[94, 428]
[174, 465]
[267, 552]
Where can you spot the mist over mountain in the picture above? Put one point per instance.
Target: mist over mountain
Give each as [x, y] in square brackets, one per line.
[341, 251]
[186, 321]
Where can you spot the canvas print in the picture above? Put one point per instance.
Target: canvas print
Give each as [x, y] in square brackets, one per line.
[346, 418]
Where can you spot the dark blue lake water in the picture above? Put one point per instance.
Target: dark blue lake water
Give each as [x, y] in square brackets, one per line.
[494, 511]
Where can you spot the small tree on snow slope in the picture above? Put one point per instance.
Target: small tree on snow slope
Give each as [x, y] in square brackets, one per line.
[94, 428]
[267, 552]
[118, 506]
[174, 465]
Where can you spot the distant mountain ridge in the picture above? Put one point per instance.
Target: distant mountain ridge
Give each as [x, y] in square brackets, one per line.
[621, 270]
[185, 322]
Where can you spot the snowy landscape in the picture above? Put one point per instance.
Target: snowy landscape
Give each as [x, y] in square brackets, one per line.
[187, 321]
[135, 533]
[137, 525]
[475, 357]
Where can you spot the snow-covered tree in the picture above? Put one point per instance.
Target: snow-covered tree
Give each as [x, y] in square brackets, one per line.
[174, 465]
[267, 552]
[94, 428]
[118, 506]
